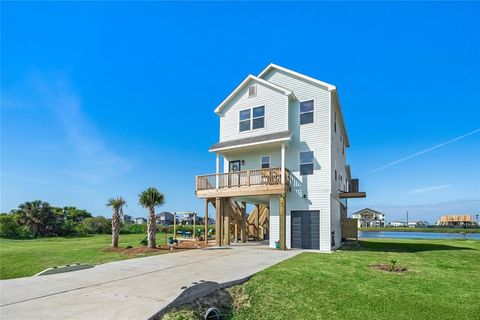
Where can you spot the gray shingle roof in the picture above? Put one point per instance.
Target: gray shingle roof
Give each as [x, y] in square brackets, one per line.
[264, 138]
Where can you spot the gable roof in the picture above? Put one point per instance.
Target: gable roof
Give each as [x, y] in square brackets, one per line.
[328, 86]
[222, 105]
[368, 209]
[322, 84]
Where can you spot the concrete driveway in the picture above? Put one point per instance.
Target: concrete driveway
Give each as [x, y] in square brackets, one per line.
[131, 289]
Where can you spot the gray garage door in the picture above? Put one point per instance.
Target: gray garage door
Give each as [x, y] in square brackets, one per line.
[306, 229]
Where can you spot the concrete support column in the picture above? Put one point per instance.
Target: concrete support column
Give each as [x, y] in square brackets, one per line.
[205, 222]
[283, 221]
[218, 221]
[243, 226]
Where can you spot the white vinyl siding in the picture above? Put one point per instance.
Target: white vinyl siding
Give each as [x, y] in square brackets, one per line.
[276, 106]
[252, 159]
[314, 137]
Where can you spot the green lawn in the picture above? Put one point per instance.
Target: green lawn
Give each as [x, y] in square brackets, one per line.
[443, 282]
[21, 258]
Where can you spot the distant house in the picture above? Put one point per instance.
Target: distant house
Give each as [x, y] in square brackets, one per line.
[369, 218]
[187, 219]
[398, 224]
[139, 220]
[417, 224]
[456, 220]
[126, 218]
[164, 218]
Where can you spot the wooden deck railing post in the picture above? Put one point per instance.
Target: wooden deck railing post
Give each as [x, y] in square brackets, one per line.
[248, 178]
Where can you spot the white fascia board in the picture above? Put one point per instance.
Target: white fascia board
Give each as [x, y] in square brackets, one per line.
[328, 86]
[347, 141]
[244, 82]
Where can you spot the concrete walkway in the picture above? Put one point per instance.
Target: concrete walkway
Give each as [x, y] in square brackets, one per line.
[130, 289]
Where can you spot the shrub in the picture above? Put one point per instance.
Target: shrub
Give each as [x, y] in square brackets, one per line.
[128, 228]
[95, 225]
[10, 228]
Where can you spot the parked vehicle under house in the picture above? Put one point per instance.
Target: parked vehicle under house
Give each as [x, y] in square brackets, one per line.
[283, 142]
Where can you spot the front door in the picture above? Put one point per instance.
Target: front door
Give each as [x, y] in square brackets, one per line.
[234, 178]
[306, 229]
[234, 166]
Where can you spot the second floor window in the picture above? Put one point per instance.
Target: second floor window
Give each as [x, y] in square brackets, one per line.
[252, 118]
[245, 118]
[306, 112]
[306, 163]
[265, 162]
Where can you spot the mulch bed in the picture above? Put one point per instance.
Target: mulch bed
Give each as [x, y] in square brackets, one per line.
[184, 245]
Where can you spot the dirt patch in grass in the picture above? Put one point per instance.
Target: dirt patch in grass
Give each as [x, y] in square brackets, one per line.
[227, 301]
[389, 266]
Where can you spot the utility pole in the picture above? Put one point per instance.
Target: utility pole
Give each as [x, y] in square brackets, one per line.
[407, 218]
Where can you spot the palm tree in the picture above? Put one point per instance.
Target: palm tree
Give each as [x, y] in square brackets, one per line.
[151, 198]
[117, 205]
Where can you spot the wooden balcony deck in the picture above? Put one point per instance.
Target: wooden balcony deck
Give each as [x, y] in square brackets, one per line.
[242, 183]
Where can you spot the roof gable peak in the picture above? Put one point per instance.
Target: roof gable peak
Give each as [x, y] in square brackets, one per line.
[251, 77]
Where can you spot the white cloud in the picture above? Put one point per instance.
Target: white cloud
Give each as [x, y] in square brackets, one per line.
[426, 189]
[88, 156]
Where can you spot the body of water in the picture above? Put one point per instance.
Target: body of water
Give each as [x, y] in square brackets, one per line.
[417, 235]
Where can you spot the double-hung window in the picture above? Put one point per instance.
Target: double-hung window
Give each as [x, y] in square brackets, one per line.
[245, 118]
[265, 162]
[306, 112]
[306, 163]
[252, 118]
[258, 117]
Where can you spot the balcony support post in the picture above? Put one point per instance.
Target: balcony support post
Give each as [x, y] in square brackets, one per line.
[218, 221]
[283, 221]
[226, 222]
[243, 226]
[283, 163]
[257, 223]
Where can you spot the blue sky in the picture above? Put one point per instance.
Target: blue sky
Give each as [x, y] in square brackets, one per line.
[106, 99]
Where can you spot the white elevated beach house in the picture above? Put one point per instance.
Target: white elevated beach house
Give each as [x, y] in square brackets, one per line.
[283, 142]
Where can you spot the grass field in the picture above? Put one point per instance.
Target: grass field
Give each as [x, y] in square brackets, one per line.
[21, 258]
[442, 282]
[439, 230]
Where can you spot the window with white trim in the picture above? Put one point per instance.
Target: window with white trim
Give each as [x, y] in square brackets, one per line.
[306, 112]
[306, 163]
[251, 119]
[265, 162]
[245, 119]
[258, 117]
[252, 91]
